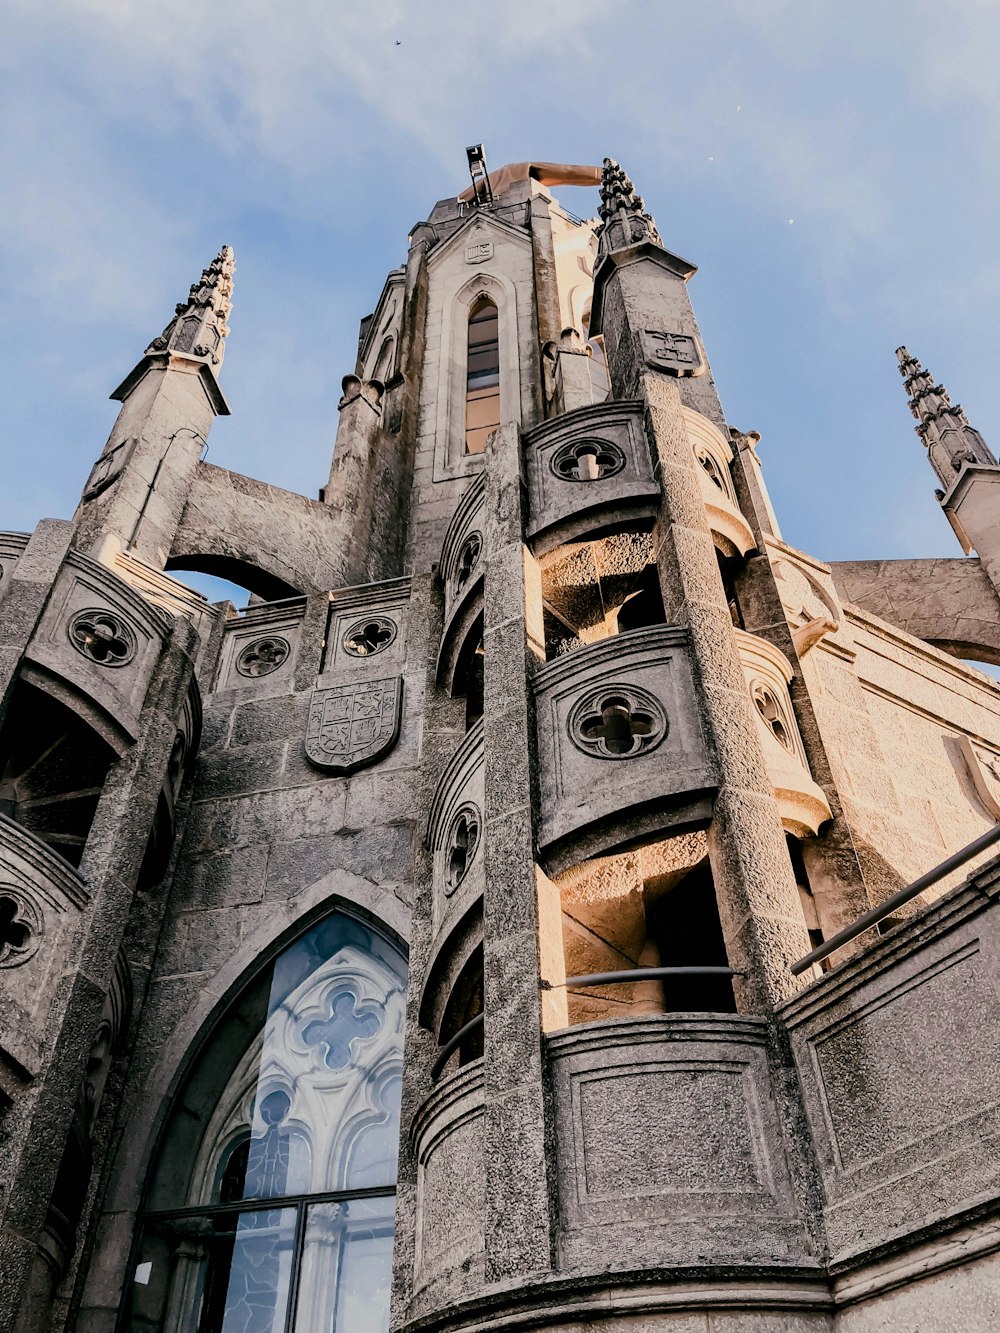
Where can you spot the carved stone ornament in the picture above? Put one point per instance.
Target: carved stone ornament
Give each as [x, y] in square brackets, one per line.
[587, 460]
[353, 724]
[617, 722]
[673, 353]
[20, 927]
[984, 770]
[102, 636]
[770, 708]
[369, 636]
[263, 656]
[468, 559]
[478, 252]
[463, 840]
[108, 468]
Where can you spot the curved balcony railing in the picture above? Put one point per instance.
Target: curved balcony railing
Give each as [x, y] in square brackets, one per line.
[714, 455]
[767, 670]
[588, 470]
[620, 746]
[462, 570]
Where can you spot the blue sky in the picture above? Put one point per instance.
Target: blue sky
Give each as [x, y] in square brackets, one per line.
[832, 169]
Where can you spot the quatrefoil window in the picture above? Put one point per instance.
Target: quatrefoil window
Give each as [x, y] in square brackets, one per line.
[468, 559]
[463, 839]
[587, 460]
[711, 466]
[348, 1023]
[103, 637]
[773, 714]
[617, 722]
[20, 928]
[263, 656]
[370, 636]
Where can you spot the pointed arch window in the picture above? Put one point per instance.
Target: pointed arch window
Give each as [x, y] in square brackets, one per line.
[482, 385]
[270, 1207]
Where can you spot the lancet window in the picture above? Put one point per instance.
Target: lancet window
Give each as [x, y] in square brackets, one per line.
[270, 1209]
[482, 391]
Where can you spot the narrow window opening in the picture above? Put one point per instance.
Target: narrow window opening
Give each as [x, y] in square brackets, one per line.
[644, 606]
[464, 1004]
[482, 387]
[728, 569]
[684, 924]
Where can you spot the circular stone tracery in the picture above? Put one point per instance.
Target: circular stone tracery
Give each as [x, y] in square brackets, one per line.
[263, 656]
[463, 839]
[370, 636]
[20, 928]
[587, 460]
[617, 722]
[102, 636]
[770, 709]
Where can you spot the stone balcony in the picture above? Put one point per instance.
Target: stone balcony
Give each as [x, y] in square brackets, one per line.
[620, 748]
[588, 470]
[96, 646]
[767, 671]
[462, 570]
[41, 896]
[455, 836]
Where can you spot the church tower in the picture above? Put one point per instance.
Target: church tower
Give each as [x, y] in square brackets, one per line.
[518, 915]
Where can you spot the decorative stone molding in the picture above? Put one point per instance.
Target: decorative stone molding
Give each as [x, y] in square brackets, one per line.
[369, 391]
[669, 1145]
[628, 698]
[731, 531]
[586, 469]
[462, 570]
[454, 832]
[767, 670]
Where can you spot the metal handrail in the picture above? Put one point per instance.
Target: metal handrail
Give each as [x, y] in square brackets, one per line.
[877, 914]
[590, 979]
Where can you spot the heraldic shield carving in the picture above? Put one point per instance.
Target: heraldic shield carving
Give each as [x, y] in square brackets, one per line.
[353, 724]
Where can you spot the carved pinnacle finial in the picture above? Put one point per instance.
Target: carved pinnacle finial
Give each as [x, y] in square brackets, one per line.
[941, 424]
[624, 220]
[199, 326]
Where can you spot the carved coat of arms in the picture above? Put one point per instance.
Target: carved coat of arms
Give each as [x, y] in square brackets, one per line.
[674, 353]
[353, 724]
[984, 770]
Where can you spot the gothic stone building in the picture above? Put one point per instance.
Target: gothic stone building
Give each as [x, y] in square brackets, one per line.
[418, 944]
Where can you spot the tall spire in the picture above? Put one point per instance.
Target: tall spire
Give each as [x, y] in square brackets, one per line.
[199, 324]
[624, 220]
[941, 424]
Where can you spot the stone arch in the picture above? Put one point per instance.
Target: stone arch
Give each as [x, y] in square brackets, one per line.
[146, 1119]
[500, 290]
[262, 582]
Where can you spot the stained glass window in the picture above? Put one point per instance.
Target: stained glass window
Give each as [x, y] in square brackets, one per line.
[270, 1208]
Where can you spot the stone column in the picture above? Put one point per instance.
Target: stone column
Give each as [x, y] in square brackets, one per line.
[517, 1155]
[37, 1126]
[25, 597]
[758, 900]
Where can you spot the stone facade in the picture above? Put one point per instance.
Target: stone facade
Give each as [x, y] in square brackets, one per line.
[568, 727]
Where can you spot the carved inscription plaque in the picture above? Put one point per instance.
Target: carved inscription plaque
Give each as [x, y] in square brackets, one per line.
[479, 252]
[353, 724]
[673, 353]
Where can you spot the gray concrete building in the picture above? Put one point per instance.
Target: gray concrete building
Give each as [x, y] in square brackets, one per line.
[420, 945]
